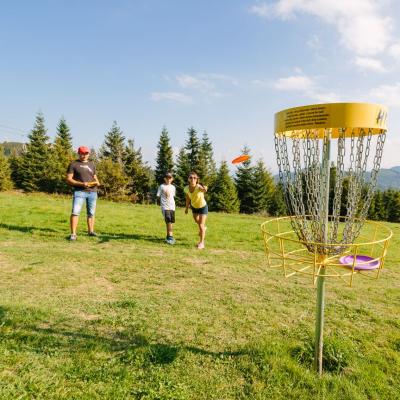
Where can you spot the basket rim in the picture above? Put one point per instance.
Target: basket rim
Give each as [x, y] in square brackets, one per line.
[378, 225]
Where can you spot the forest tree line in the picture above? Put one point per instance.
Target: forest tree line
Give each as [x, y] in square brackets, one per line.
[41, 166]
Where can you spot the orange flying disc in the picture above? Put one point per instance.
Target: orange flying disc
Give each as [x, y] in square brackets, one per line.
[240, 159]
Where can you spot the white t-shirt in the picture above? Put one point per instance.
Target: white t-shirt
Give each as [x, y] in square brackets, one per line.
[166, 194]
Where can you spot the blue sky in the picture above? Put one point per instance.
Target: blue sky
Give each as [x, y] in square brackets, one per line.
[221, 66]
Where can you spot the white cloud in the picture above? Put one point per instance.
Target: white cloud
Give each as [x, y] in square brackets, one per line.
[261, 83]
[302, 83]
[314, 42]
[202, 86]
[206, 83]
[369, 63]
[324, 97]
[297, 82]
[171, 96]
[191, 82]
[387, 94]
[222, 78]
[394, 51]
[360, 24]
[188, 88]
[262, 10]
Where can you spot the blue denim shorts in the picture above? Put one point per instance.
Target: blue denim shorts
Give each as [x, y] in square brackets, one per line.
[80, 196]
[200, 211]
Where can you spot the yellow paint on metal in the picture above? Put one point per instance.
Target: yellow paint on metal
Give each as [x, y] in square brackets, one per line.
[313, 120]
[290, 254]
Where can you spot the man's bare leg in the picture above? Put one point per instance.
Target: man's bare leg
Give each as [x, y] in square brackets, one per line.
[74, 223]
[90, 224]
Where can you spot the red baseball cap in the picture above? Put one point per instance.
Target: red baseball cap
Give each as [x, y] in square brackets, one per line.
[83, 150]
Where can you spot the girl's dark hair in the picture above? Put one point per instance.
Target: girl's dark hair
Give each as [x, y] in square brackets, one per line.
[193, 173]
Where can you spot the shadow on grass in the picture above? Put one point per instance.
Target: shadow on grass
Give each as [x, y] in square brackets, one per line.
[23, 331]
[102, 237]
[26, 229]
[107, 237]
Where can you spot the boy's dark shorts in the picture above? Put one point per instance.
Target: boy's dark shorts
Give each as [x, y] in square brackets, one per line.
[169, 216]
[201, 211]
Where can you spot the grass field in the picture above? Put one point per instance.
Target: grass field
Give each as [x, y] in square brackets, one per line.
[125, 316]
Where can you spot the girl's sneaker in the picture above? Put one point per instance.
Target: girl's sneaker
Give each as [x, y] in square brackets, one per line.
[200, 246]
[72, 237]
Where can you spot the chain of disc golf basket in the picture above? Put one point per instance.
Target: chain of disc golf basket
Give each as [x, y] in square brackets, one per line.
[357, 214]
[311, 177]
[302, 182]
[285, 179]
[338, 190]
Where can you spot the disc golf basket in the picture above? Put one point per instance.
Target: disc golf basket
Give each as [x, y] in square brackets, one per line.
[326, 234]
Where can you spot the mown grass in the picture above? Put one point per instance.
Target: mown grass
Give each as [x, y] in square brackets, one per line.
[125, 316]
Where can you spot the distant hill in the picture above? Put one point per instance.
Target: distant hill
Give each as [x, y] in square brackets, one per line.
[389, 178]
[10, 148]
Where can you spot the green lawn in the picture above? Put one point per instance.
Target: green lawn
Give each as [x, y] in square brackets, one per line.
[125, 316]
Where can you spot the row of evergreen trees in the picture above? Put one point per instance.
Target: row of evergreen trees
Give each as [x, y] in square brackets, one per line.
[124, 175]
[251, 190]
[385, 206]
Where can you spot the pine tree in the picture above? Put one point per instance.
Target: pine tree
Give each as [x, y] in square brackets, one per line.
[377, 210]
[263, 188]
[15, 162]
[224, 195]
[35, 161]
[113, 179]
[164, 162]
[345, 196]
[5, 172]
[206, 168]
[393, 205]
[94, 156]
[182, 170]
[379, 205]
[372, 212]
[61, 155]
[140, 177]
[244, 181]
[277, 206]
[114, 145]
[192, 148]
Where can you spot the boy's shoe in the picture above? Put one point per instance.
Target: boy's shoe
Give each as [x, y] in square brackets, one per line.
[170, 240]
[72, 237]
[93, 234]
[200, 246]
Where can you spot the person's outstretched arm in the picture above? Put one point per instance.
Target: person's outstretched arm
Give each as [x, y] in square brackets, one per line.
[202, 188]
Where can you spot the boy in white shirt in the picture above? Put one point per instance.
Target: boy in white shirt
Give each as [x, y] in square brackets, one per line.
[166, 192]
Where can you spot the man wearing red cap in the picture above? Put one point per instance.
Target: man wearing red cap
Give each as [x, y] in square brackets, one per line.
[81, 174]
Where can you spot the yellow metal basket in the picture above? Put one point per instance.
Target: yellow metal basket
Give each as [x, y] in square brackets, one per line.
[364, 257]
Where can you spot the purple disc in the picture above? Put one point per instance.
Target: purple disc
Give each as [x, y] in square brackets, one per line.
[363, 263]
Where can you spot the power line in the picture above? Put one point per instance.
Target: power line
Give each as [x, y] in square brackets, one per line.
[11, 127]
[13, 131]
